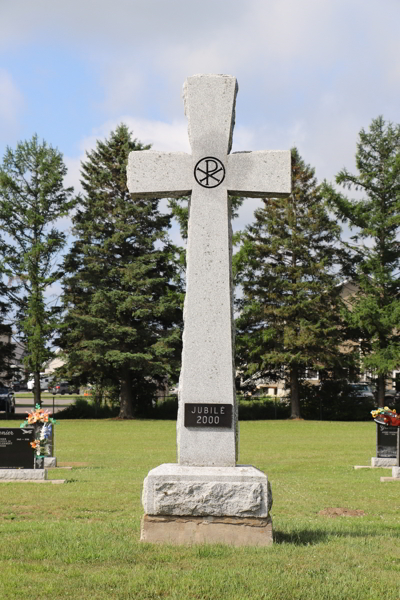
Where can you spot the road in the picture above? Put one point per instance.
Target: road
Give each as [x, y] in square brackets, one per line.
[24, 402]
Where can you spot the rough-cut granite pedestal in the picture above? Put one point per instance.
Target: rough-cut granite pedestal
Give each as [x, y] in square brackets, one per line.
[207, 504]
[205, 497]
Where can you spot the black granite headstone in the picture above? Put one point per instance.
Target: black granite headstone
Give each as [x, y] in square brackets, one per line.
[386, 441]
[15, 449]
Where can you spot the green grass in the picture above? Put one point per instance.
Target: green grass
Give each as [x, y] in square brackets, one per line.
[80, 540]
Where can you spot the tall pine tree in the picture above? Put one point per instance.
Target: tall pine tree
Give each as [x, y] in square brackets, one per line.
[289, 313]
[375, 247]
[32, 199]
[122, 291]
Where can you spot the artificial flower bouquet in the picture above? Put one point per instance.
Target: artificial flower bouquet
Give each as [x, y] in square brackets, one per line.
[43, 424]
[386, 416]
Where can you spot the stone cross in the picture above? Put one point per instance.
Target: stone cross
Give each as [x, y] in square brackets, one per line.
[207, 417]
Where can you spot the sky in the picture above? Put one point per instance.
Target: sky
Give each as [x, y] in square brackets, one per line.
[311, 73]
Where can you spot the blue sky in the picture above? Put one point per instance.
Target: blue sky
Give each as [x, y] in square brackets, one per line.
[311, 73]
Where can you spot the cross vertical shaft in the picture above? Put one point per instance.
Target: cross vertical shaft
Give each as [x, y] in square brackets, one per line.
[207, 374]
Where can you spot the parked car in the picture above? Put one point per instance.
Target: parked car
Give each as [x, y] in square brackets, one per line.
[64, 388]
[7, 399]
[361, 390]
[45, 383]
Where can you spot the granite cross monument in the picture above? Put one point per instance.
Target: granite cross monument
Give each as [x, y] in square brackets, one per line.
[206, 497]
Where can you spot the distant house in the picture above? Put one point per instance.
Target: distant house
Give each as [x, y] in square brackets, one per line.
[17, 363]
[349, 290]
[264, 387]
[54, 363]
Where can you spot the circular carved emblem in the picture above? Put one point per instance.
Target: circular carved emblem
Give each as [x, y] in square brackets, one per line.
[209, 172]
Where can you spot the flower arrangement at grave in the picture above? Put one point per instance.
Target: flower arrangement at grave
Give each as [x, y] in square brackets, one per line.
[386, 416]
[43, 424]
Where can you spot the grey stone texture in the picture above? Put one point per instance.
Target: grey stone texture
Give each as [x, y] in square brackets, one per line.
[160, 174]
[383, 462]
[206, 530]
[50, 462]
[241, 491]
[207, 374]
[396, 472]
[22, 474]
[255, 173]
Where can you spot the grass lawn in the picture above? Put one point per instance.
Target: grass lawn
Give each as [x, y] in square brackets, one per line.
[80, 540]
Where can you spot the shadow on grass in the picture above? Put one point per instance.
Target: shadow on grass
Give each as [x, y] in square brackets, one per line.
[301, 538]
[309, 537]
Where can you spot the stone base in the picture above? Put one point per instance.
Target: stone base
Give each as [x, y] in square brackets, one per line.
[206, 530]
[383, 462]
[241, 491]
[50, 462]
[396, 472]
[22, 474]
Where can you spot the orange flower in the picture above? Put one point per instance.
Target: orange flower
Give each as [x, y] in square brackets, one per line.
[35, 443]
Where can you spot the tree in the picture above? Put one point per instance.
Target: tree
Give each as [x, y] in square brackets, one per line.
[122, 289]
[289, 312]
[32, 199]
[375, 247]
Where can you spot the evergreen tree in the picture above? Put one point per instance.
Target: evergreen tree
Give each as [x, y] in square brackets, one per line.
[32, 199]
[122, 294]
[289, 313]
[375, 248]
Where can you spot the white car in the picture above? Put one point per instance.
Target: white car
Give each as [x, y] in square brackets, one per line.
[45, 384]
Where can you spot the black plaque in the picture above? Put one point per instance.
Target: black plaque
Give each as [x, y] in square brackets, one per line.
[15, 449]
[208, 415]
[386, 441]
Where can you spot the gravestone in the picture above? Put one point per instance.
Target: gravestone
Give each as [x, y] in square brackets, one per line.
[205, 497]
[16, 451]
[17, 457]
[386, 446]
[386, 441]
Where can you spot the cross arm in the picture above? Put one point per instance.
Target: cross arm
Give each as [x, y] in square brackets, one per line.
[159, 174]
[263, 174]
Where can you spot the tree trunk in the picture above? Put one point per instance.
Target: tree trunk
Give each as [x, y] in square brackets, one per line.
[381, 390]
[126, 405]
[36, 388]
[294, 393]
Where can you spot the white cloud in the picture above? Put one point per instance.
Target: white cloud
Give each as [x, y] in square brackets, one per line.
[73, 165]
[163, 136]
[11, 103]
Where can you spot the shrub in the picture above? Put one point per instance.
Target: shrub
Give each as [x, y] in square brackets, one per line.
[86, 409]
